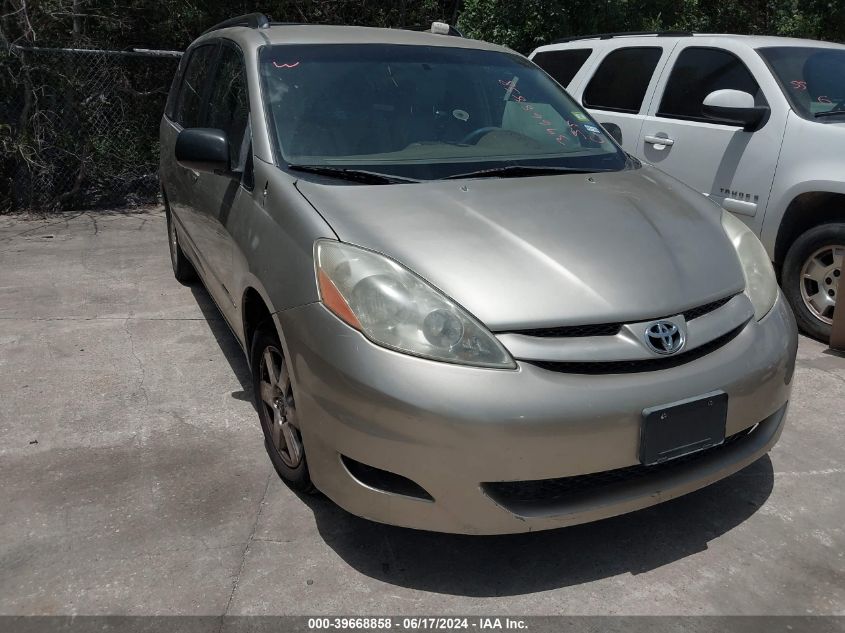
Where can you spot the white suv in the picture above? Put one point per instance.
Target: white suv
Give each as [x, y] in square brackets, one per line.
[755, 123]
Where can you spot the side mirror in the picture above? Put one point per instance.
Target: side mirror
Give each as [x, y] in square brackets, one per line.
[613, 130]
[203, 149]
[734, 107]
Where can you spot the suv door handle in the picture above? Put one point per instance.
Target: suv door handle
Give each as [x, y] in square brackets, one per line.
[659, 140]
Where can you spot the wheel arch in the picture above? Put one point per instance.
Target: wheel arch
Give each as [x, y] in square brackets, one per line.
[805, 211]
[256, 310]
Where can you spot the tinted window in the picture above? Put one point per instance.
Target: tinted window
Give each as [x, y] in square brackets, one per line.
[697, 73]
[228, 105]
[173, 93]
[194, 80]
[621, 81]
[562, 65]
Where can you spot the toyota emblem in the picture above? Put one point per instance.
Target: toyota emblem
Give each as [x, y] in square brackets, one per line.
[664, 337]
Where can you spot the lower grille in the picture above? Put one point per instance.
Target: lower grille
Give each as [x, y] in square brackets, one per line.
[632, 366]
[548, 492]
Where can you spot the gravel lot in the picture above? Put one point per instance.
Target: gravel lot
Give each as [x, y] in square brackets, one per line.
[134, 478]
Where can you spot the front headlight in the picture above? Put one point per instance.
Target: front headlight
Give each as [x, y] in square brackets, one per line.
[396, 309]
[760, 283]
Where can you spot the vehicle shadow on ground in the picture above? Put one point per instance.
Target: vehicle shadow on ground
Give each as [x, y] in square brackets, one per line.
[226, 340]
[526, 563]
[488, 566]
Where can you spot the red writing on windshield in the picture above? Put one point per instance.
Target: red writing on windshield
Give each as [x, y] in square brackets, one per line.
[574, 131]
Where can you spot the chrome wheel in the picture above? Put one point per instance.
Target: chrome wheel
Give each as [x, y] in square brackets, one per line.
[279, 407]
[820, 281]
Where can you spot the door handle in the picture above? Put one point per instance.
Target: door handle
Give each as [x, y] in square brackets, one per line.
[659, 142]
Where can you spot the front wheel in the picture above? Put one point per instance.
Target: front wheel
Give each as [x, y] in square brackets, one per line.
[183, 270]
[811, 277]
[273, 396]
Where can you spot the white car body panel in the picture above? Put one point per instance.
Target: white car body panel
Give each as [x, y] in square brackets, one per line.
[756, 175]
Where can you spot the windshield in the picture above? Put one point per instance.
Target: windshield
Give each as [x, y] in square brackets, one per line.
[424, 112]
[813, 79]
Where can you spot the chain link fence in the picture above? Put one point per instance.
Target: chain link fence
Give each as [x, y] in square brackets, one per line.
[79, 128]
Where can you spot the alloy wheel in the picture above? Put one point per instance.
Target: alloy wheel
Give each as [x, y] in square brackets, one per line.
[279, 406]
[173, 240]
[820, 281]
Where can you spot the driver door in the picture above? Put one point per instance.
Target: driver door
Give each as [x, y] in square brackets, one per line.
[733, 167]
[220, 198]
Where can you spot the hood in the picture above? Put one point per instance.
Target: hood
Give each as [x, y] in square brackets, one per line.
[546, 251]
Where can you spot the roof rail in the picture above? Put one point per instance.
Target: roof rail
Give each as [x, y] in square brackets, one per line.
[250, 20]
[607, 36]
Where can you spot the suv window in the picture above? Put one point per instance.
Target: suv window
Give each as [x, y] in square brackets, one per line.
[697, 73]
[228, 104]
[813, 79]
[621, 81]
[189, 103]
[562, 65]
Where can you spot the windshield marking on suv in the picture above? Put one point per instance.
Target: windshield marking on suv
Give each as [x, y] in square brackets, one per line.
[812, 78]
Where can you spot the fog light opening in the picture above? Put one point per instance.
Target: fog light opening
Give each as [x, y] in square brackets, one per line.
[384, 480]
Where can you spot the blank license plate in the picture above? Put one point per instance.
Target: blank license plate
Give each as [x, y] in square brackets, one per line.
[677, 429]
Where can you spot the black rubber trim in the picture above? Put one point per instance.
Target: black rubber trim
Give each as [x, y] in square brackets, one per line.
[541, 492]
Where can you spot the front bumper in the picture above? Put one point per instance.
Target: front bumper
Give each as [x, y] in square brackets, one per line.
[453, 429]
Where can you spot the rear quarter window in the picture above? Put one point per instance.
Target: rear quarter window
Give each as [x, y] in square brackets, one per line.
[562, 65]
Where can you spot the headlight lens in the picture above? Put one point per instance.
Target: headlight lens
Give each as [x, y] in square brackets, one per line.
[760, 282]
[395, 308]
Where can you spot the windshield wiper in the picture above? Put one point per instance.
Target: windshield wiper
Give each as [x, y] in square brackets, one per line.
[355, 175]
[518, 171]
[818, 115]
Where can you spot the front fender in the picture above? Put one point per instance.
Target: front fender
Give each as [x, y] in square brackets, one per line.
[811, 160]
[274, 243]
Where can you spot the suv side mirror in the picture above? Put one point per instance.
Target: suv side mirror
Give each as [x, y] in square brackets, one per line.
[203, 149]
[734, 107]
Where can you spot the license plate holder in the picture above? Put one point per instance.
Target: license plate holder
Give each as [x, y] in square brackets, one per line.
[673, 430]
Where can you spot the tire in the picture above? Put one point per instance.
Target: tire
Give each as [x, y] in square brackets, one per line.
[274, 401]
[811, 277]
[183, 270]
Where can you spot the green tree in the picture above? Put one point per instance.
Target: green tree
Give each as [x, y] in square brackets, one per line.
[525, 25]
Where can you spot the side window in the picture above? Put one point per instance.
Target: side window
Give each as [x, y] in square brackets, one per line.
[562, 65]
[189, 104]
[173, 93]
[621, 81]
[697, 73]
[228, 105]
